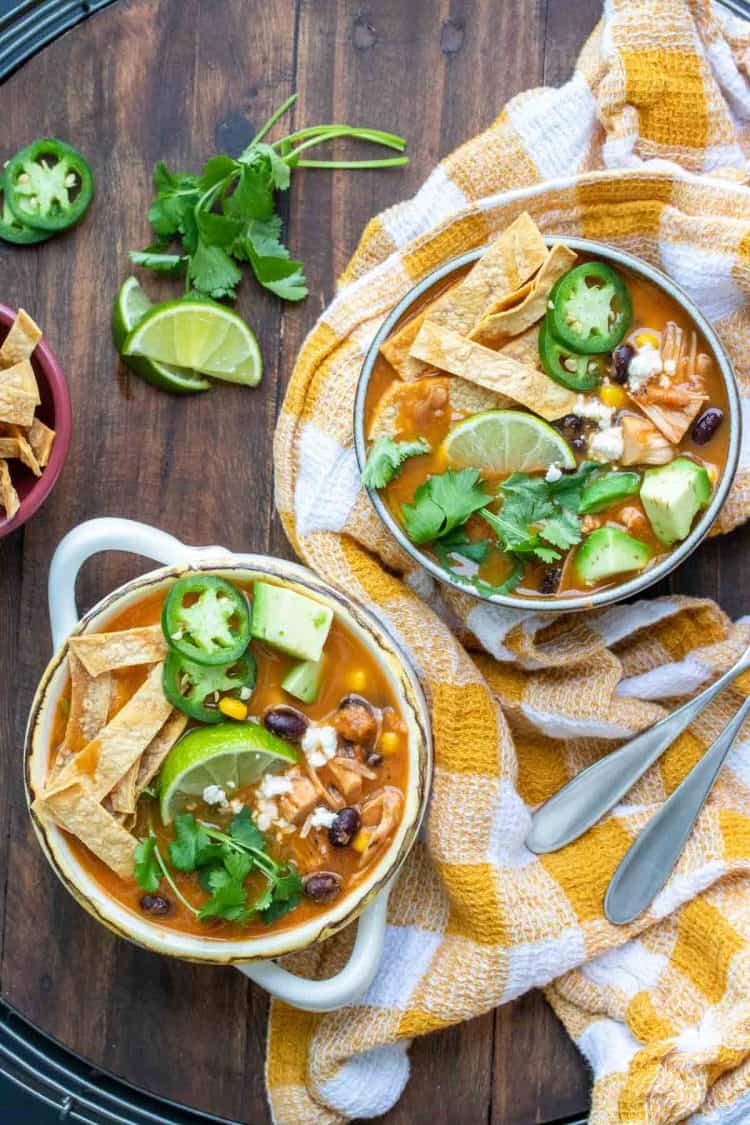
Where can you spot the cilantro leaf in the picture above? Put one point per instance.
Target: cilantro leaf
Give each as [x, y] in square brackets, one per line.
[386, 458]
[213, 272]
[252, 198]
[442, 503]
[284, 277]
[176, 195]
[228, 901]
[568, 489]
[286, 894]
[192, 846]
[245, 831]
[147, 870]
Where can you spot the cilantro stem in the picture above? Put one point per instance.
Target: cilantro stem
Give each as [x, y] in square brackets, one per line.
[318, 134]
[170, 880]
[262, 861]
[273, 119]
[393, 162]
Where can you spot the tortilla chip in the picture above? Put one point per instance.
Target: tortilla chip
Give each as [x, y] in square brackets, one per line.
[15, 446]
[8, 495]
[525, 348]
[19, 344]
[505, 266]
[494, 370]
[103, 652]
[493, 329]
[469, 398]
[16, 405]
[397, 347]
[89, 708]
[77, 811]
[41, 439]
[22, 377]
[124, 796]
[109, 756]
[461, 399]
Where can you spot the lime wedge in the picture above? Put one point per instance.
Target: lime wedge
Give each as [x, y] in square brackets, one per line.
[198, 334]
[506, 441]
[130, 307]
[230, 755]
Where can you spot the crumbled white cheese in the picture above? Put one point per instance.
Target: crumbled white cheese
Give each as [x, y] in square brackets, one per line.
[643, 366]
[322, 817]
[319, 745]
[607, 445]
[554, 472]
[273, 785]
[215, 795]
[593, 408]
[236, 805]
[266, 812]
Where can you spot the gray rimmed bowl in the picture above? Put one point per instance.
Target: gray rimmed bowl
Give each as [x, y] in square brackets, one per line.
[641, 581]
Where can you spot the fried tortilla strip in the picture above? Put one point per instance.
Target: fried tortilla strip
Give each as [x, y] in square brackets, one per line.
[22, 377]
[8, 495]
[41, 439]
[109, 756]
[19, 344]
[434, 397]
[493, 329]
[506, 265]
[671, 409]
[125, 794]
[89, 708]
[17, 441]
[103, 652]
[16, 405]
[397, 347]
[77, 810]
[525, 348]
[494, 370]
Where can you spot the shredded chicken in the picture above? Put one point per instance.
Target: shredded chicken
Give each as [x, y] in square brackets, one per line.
[590, 523]
[381, 814]
[674, 400]
[346, 780]
[301, 799]
[633, 519]
[671, 416]
[643, 443]
[356, 720]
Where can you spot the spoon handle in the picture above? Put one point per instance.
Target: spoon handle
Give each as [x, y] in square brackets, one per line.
[594, 791]
[646, 865]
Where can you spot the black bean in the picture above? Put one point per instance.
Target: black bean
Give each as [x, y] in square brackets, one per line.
[707, 425]
[550, 580]
[344, 828]
[570, 426]
[621, 358]
[155, 904]
[286, 722]
[322, 886]
[374, 760]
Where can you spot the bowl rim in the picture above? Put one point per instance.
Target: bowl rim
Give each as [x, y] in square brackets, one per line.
[54, 376]
[634, 585]
[122, 921]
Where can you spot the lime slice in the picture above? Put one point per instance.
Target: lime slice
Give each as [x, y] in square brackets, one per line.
[507, 441]
[230, 755]
[130, 307]
[199, 334]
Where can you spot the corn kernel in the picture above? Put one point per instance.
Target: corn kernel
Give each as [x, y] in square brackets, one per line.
[713, 473]
[357, 679]
[389, 742]
[233, 708]
[361, 840]
[647, 340]
[613, 396]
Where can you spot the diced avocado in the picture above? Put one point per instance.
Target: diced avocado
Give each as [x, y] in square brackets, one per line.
[303, 680]
[672, 495]
[290, 622]
[608, 489]
[609, 551]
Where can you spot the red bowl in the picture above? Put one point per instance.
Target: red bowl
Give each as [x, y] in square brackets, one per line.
[54, 411]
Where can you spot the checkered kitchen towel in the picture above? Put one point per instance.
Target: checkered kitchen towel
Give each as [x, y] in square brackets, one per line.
[646, 147]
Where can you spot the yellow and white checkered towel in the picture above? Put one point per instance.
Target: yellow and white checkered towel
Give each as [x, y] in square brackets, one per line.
[646, 147]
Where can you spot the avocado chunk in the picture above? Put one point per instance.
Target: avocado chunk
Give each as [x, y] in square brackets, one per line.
[672, 495]
[609, 551]
[303, 680]
[607, 489]
[290, 622]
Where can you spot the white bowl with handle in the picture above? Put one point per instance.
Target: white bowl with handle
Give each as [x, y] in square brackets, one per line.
[254, 956]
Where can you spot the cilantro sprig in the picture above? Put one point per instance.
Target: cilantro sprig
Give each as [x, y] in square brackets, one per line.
[386, 458]
[442, 503]
[225, 217]
[222, 861]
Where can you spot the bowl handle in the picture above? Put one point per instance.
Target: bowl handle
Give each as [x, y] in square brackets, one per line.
[105, 534]
[338, 991]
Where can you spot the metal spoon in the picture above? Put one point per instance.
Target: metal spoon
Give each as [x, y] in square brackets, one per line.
[596, 790]
[646, 865]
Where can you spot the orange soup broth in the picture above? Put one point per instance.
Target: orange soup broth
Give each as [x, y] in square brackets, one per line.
[344, 656]
[419, 416]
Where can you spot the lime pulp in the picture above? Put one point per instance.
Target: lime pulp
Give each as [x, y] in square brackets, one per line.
[506, 441]
[130, 307]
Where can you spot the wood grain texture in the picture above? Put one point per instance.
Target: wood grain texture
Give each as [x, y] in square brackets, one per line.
[179, 79]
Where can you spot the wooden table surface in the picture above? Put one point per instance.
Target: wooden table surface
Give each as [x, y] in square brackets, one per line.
[181, 79]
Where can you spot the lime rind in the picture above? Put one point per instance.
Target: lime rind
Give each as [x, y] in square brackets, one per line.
[130, 307]
[506, 441]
